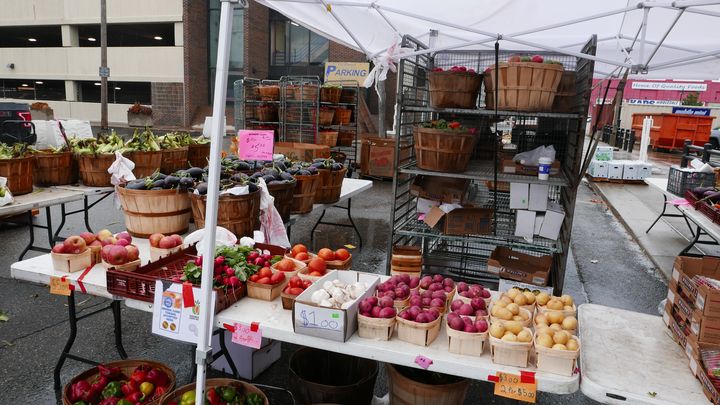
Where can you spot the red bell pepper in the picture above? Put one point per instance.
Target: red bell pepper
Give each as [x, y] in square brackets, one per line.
[109, 401]
[135, 397]
[92, 395]
[128, 388]
[213, 397]
[138, 376]
[78, 389]
[101, 382]
[159, 391]
[158, 377]
[109, 372]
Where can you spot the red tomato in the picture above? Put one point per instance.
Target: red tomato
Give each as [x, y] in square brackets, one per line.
[317, 264]
[326, 254]
[306, 284]
[302, 256]
[265, 272]
[285, 265]
[254, 278]
[315, 273]
[295, 281]
[342, 254]
[295, 291]
[297, 249]
[277, 278]
[264, 280]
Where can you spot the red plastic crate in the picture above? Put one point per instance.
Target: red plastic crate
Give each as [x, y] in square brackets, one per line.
[709, 211]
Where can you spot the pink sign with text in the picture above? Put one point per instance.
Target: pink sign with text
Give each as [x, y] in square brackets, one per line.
[247, 335]
[255, 144]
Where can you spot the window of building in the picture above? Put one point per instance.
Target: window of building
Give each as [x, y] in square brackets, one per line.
[36, 36]
[32, 89]
[291, 44]
[118, 92]
[152, 34]
[236, 46]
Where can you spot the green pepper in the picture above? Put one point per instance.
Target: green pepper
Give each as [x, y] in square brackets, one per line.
[188, 398]
[125, 402]
[253, 398]
[113, 389]
[228, 393]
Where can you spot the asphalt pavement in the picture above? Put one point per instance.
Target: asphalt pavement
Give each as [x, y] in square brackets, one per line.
[606, 267]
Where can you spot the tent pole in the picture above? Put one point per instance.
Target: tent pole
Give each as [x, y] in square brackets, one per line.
[659, 44]
[643, 28]
[670, 63]
[208, 252]
[382, 100]
[329, 9]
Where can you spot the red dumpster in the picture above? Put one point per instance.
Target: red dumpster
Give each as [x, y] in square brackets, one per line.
[669, 131]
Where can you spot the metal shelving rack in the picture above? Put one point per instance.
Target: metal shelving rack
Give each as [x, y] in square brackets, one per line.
[299, 117]
[466, 256]
[351, 150]
[247, 101]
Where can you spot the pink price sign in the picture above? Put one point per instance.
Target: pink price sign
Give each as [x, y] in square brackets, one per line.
[255, 144]
[247, 335]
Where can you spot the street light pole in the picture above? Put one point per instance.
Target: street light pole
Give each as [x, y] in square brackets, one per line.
[104, 73]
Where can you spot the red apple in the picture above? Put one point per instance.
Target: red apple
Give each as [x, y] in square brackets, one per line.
[178, 239]
[105, 252]
[155, 239]
[514, 58]
[132, 253]
[96, 243]
[537, 59]
[167, 242]
[124, 235]
[59, 248]
[117, 255]
[74, 244]
[104, 234]
[122, 242]
[108, 241]
[88, 237]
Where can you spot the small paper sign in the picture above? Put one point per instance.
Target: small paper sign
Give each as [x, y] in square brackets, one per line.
[255, 144]
[423, 361]
[247, 335]
[520, 388]
[60, 286]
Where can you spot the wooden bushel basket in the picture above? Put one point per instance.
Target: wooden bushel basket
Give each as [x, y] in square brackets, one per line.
[326, 116]
[146, 163]
[19, 174]
[304, 193]
[174, 160]
[345, 138]
[283, 193]
[198, 155]
[454, 89]
[238, 213]
[524, 86]
[404, 390]
[330, 94]
[55, 169]
[93, 169]
[127, 367]
[269, 93]
[443, 150]
[267, 113]
[212, 383]
[151, 211]
[406, 260]
[329, 186]
[565, 98]
[328, 138]
[342, 116]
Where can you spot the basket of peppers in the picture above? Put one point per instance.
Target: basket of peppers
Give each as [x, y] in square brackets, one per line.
[218, 391]
[124, 382]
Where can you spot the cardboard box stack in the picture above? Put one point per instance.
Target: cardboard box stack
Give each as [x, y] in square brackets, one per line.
[603, 166]
[535, 214]
[692, 312]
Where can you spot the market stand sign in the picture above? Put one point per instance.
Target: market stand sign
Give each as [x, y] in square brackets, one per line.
[347, 71]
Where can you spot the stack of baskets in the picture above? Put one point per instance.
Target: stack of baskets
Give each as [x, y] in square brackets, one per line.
[523, 86]
[454, 89]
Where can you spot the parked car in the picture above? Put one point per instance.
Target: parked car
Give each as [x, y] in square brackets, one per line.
[715, 138]
[15, 125]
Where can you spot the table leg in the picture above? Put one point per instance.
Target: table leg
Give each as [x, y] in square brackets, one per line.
[72, 320]
[49, 228]
[312, 231]
[692, 242]
[663, 214]
[224, 352]
[360, 241]
[350, 225]
[117, 317]
[86, 211]
[62, 222]
[32, 235]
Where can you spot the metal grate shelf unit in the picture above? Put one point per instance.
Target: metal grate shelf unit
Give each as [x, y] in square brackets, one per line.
[350, 91]
[300, 104]
[479, 170]
[248, 102]
[484, 112]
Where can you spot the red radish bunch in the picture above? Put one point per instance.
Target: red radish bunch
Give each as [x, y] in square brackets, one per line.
[472, 291]
[396, 287]
[437, 283]
[419, 315]
[375, 307]
[466, 324]
[476, 307]
[296, 286]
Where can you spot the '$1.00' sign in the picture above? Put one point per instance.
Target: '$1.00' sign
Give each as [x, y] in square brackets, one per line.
[515, 387]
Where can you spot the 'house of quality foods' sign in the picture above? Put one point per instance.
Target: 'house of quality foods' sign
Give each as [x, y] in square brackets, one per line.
[637, 101]
[669, 86]
[352, 71]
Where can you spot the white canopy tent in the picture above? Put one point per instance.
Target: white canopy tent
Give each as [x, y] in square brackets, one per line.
[654, 39]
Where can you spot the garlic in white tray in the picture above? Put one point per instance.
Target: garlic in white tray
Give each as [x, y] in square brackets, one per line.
[326, 303]
[319, 295]
[338, 294]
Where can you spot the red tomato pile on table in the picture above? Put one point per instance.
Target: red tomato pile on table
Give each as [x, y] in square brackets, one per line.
[296, 286]
[266, 276]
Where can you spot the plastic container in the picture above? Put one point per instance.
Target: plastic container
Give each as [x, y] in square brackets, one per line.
[318, 376]
[544, 168]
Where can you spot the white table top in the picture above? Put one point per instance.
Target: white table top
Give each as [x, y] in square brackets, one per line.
[630, 354]
[350, 188]
[40, 198]
[87, 190]
[698, 218]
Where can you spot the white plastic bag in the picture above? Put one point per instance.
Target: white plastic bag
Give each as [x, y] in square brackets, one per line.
[223, 237]
[5, 195]
[271, 223]
[121, 170]
[532, 157]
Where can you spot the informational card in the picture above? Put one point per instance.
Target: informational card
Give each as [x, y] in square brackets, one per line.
[171, 318]
[255, 144]
[59, 286]
[516, 387]
[247, 335]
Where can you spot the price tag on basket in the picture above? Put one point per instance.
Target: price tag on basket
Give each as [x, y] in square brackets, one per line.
[255, 144]
[521, 387]
[248, 335]
[60, 286]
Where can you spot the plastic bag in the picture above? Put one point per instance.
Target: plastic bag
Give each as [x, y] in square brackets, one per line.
[223, 237]
[5, 195]
[121, 170]
[271, 223]
[532, 157]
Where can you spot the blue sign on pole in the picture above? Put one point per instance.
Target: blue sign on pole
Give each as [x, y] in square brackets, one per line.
[704, 112]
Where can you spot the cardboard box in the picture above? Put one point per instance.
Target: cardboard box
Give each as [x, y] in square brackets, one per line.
[615, 169]
[598, 169]
[443, 189]
[603, 153]
[538, 197]
[468, 220]
[705, 300]
[302, 151]
[698, 328]
[631, 170]
[424, 206]
[330, 323]
[509, 166]
[521, 267]
[249, 362]
[505, 285]
[519, 196]
[525, 223]
[551, 225]
[644, 171]
[377, 156]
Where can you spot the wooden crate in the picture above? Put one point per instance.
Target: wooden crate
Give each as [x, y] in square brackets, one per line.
[339, 264]
[70, 263]
[265, 292]
[471, 344]
[375, 328]
[422, 334]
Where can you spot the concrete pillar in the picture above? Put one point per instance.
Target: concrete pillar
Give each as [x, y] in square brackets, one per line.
[71, 90]
[70, 35]
[178, 34]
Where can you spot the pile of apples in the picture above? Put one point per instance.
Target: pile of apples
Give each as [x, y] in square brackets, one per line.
[74, 245]
[521, 297]
[511, 332]
[437, 283]
[472, 290]
[466, 324]
[556, 339]
[507, 310]
[296, 286]
[419, 315]
[397, 287]
[118, 249]
[160, 241]
[375, 307]
[475, 308]
[329, 255]
[428, 299]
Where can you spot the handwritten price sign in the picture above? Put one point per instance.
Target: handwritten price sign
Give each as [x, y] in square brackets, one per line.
[255, 144]
[515, 387]
[247, 335]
